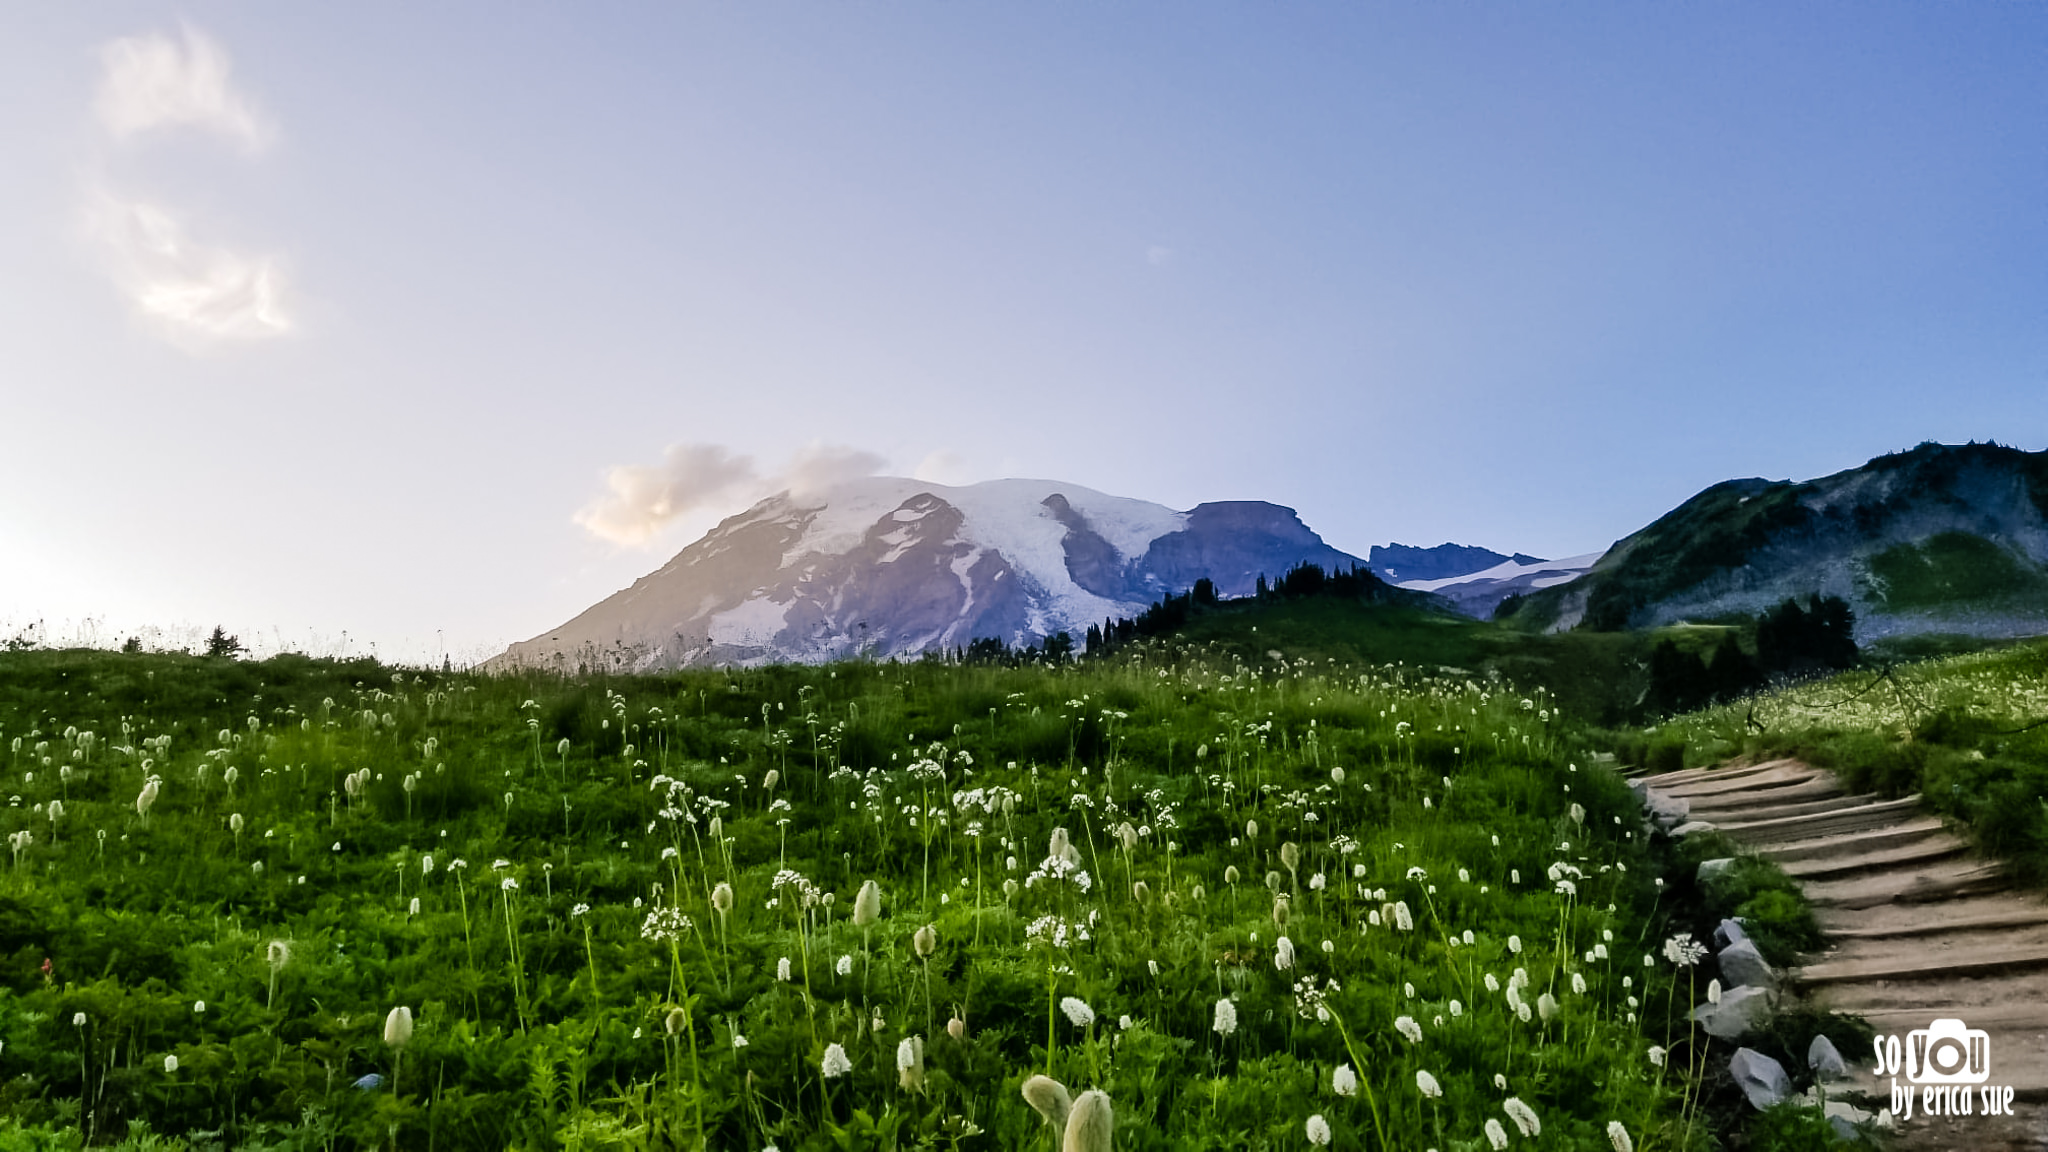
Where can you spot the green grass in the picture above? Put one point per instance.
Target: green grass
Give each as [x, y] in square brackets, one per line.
[1954, 569]
[1599, 676]
[551, 1012]
[1968, 732]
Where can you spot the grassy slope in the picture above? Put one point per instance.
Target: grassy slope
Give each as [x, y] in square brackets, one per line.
[1597, 676]
[1967, 732]
[539, 1026]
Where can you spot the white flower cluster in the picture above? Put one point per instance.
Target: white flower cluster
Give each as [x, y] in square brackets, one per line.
[1056, 931]
[664, 924]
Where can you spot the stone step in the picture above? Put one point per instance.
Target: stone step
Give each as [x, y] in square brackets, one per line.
[1828, 868]
[1958, 946]
[1785, 776]
[1688, 775]
[1919, 884]
[2011, 992]
[1781, 811]
[2001, 910]
[1930, 966]
[1785, 829]
[1854, 843]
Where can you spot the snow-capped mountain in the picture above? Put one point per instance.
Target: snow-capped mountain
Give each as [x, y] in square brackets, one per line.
[1479, 593]
[887, 566]
[1402, 563]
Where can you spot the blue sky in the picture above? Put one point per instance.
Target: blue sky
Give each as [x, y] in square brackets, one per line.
[317, 320]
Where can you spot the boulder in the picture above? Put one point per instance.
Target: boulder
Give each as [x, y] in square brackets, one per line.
[1712, 868]
[1761, 1078]
[1743, 966]
[1844, 1118]
[1825, 1059]
[1740, 1012]
[1729, 932]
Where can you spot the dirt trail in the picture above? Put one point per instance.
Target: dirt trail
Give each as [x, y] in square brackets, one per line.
[1917, 929]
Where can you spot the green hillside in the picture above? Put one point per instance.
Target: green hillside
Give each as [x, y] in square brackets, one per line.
[1764, 539]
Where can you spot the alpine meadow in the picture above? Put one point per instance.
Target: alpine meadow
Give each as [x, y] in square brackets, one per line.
[1193, 901]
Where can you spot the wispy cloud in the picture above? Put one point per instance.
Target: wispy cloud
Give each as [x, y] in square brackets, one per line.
[156, 81]
[195, 293]
[192, 290]
[641, 500]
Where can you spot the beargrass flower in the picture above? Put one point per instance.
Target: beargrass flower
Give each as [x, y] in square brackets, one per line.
[1427, 1085]
[1077, 1011]
[1283, 954]
[835, 1063]
[845, 966]
[1318, 1131]
[199, 1006]
[1546, 1006]
[1050, 1099]
[910, 1064]
[1343, 1081]
[1618, 1136]
[1225, 1024]
[1523, 1116]
[782, 969]
[1656, 1056]
[398, 1027]
[1408, 1028]
[1402, 919]
[1496, 1136]
[1090, 1124]
[170, 1064]
[1578, 984]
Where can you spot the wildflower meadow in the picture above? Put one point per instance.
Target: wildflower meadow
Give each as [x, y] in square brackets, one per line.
[1170, 900]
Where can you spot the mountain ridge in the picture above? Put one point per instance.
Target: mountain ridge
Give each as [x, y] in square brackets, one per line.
[889, 566]
[1938, 538]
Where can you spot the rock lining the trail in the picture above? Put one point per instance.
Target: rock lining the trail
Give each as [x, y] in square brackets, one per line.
[1916, 929]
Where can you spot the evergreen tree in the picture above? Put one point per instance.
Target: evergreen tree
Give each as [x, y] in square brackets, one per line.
[222, 644]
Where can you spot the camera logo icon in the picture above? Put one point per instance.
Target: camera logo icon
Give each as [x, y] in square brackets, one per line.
[1948, 1052]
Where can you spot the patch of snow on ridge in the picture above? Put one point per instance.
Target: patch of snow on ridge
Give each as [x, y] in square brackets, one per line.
[1007, 515]
[750, 624]
[1546, 574]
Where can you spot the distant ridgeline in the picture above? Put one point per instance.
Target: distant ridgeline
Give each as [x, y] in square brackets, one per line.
[1939, 539]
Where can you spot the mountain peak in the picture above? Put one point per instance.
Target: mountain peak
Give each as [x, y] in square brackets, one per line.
[889, 566]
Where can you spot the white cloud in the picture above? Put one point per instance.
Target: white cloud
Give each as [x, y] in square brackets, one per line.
[819, 466]
[644, 499]
[156, 81]
[192, 290]
[944, 466]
